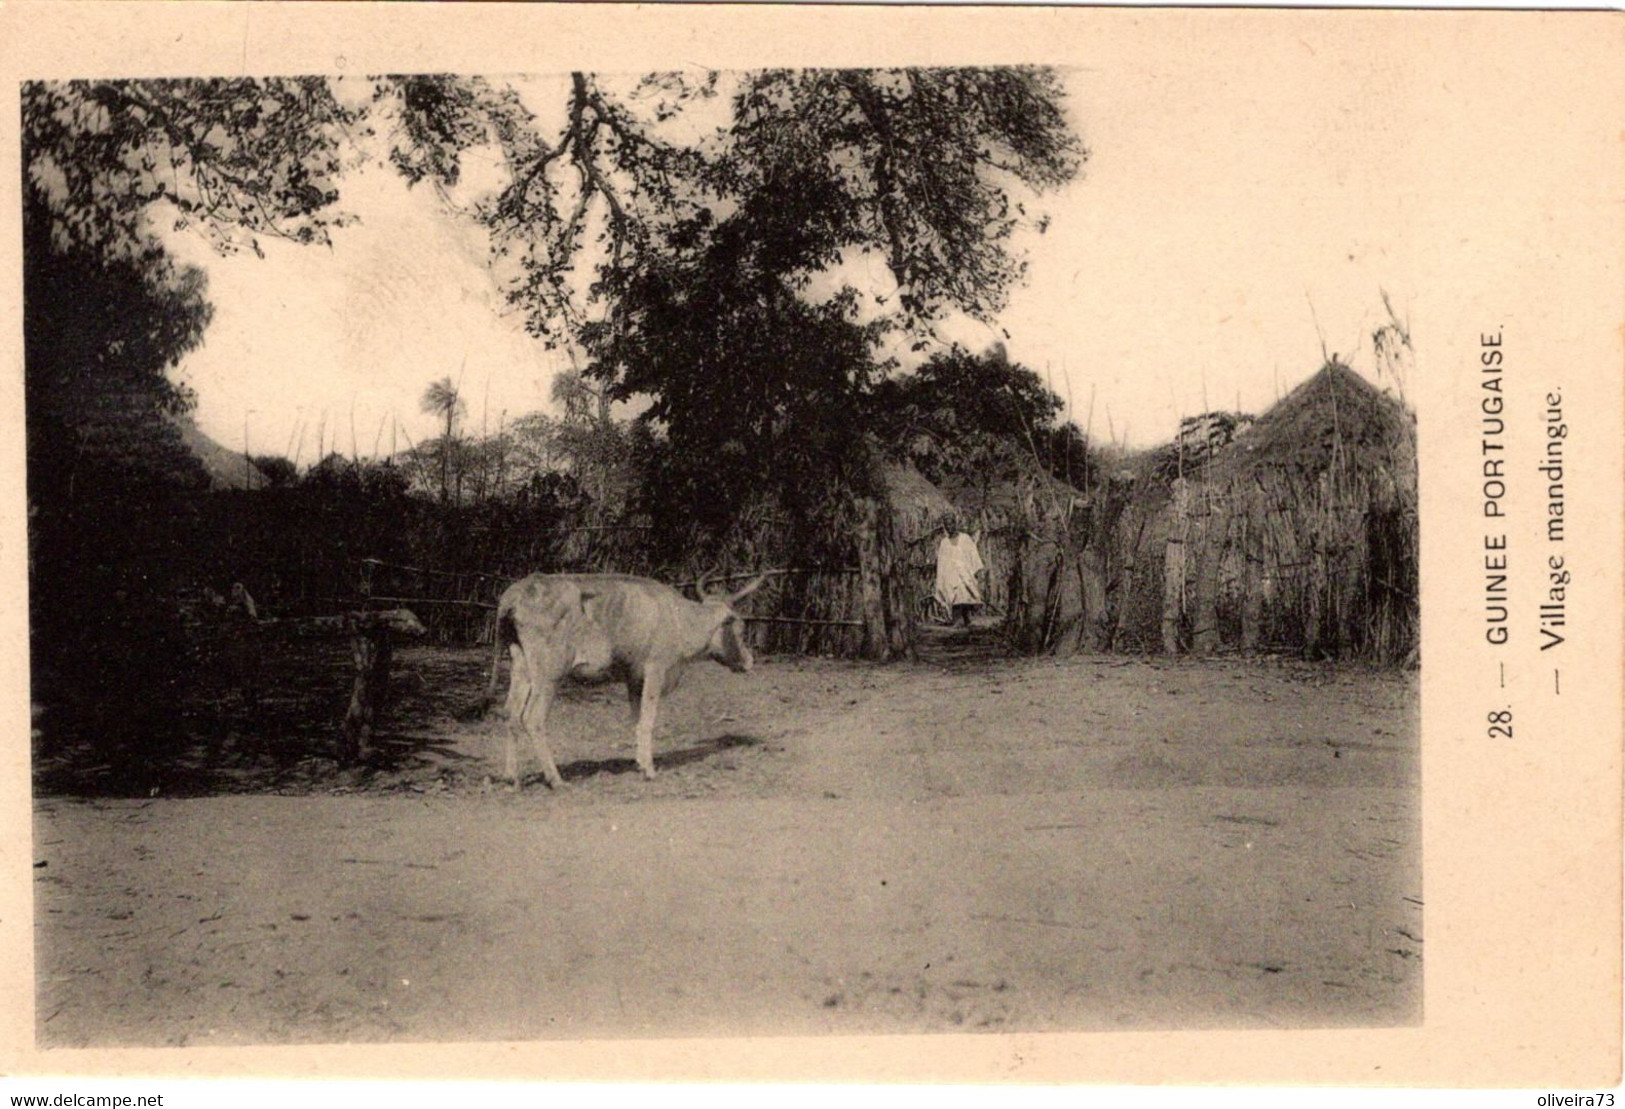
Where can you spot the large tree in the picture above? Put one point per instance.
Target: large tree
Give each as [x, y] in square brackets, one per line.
[630, 192]
[686, 233]
[976, 420]
[107, 166]
[108, 480]
[688, 268]
[927, 168]
[924, 167]
[920, 166]
[107, 314]
[235, 159]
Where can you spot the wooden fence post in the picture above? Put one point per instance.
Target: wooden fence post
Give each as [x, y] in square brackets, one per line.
[897, 586]
[1252, 567]
[1209, 553]
[1173, 567]
[1314, 618]
[372, 648]
[1097, 622]
[1125, 581]
[869, 582]
[1018, 595]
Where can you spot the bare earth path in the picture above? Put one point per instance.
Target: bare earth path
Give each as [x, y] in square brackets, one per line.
[1025, 845]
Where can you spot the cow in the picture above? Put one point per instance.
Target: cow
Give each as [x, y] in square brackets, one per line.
[604, 627]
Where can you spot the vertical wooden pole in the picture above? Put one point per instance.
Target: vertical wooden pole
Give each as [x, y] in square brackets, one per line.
[1209, 553]
[1097, 623]
[869, 582]
[1317, 584]
[896, 586]
[1173, 567]
[1018, 616]
[1252, 530]
[1128, 546]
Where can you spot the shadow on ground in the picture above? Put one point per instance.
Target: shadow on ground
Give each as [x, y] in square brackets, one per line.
[280, 737]
[584, 769]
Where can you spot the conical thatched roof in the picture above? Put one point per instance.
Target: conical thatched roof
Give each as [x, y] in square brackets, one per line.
[1335, 412]
[227, 469]
[910, 492]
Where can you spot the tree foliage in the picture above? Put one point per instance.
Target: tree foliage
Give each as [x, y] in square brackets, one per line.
[233, 158]
[979, 419]
[442, 399]
[109, 479]
[107, 311]
[686, 270]
[623, 214]
[114, 525]
[590, 444]
[612, 226]
[278, 472]
[917, 165]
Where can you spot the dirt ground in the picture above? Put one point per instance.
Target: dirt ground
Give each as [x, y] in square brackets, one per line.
[958, 845]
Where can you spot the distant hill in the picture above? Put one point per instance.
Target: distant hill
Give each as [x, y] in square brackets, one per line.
[227, 469]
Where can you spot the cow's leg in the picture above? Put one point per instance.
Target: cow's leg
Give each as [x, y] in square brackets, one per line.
[547, 666]
[541, 700]
[634, 698]
[518, 701]
[644, 710]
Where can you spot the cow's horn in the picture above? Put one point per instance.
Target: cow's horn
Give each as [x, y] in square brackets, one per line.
[699, 584]
[754, 584]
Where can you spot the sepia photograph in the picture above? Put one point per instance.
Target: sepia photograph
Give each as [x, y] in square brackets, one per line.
[654, 550]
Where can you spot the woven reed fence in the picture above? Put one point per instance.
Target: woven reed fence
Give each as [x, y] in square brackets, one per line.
[854, 606]
[1300, 536]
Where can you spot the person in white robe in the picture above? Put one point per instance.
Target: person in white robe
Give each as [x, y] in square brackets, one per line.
[959, 570]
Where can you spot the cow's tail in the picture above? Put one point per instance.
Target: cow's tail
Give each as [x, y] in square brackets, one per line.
[502, 634]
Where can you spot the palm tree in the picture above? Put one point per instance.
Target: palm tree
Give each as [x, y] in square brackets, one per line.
[576, 395]
[441, 398]
[585, 432]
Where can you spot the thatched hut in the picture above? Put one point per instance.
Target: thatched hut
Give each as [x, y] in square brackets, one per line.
[1055, 565]
[1299, 534]
[918, 509]
[917, 504]
[1021, 525]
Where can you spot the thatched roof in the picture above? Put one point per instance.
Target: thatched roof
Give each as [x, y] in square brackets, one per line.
[1300, 531]
[227, 469]
[1336, 410]
[909, 491]
[1336, 423]
[1008, 497]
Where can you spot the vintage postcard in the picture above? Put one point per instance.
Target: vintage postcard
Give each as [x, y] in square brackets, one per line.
[796, 543]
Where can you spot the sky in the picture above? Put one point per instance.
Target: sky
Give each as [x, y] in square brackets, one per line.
[1228, 221]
